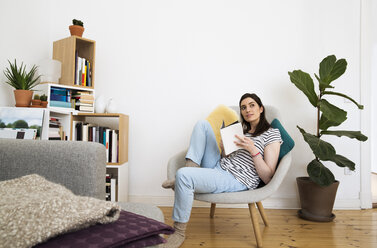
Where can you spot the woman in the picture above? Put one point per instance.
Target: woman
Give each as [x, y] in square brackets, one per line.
[241, 170]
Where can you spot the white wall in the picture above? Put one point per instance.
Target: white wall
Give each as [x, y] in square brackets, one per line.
[169, 63]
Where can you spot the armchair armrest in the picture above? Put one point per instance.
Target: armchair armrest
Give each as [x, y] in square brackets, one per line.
[176, 162]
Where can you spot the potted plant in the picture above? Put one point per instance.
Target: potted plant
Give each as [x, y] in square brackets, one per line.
[317, 192]
[23, 82]
[36, 101]
[44, 101]
[77, 28]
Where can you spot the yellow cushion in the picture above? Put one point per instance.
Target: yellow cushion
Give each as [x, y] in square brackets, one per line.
[216, 118]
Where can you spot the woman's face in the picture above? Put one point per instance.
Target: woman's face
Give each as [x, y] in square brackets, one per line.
[250, 110]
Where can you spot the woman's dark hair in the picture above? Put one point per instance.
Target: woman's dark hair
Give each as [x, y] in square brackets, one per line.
[263, 124]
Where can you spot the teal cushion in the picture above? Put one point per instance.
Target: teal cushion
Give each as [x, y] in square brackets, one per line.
[288, 142]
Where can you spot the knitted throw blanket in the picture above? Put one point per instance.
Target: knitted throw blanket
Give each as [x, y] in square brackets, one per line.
[33, 210]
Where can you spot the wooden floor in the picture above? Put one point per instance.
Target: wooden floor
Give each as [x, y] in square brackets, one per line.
[232, 228]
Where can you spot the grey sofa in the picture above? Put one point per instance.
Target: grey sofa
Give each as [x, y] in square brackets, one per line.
[79, 166]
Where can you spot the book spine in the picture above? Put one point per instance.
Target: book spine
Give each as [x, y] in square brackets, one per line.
[60, 104]
[113, 189]
[114, 156]
[107, 144]
[76, 66]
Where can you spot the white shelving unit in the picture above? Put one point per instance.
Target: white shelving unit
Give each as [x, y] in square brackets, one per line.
[64, 114]
[121, 174]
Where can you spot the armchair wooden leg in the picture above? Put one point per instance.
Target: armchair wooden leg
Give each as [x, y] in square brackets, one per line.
[254, 220]
[213, 207]
[262, 213]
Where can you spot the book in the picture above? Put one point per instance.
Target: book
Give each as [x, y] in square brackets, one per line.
[108, 131]
[108, 187]
[60, 104]
[113, 189]
[85, 108]
[83, 97]
[114, 150]
[79, 131]
[85, 131]
[228, 137]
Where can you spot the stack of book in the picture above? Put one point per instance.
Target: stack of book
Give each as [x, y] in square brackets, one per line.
[83, 71]
[104, 135]
[55, 131]
[60, 97]
[110, 188]
[84, 101]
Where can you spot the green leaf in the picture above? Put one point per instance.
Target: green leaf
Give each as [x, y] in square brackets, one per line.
[322, 85]
[325, 123]
[319, 173]
[304, 82]
[332, 112]
[331, 69]
[320, 148]
[342, 95]
[350, 134]
[342, 161]
[19, 79]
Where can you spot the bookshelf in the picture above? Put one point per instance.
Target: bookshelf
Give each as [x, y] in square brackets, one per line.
[69, 51]
[65, 50]
[114, 121]
[61, 113]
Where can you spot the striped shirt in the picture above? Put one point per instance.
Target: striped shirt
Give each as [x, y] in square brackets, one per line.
[240, 163]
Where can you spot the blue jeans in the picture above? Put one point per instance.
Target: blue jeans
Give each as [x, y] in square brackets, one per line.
[210, 178]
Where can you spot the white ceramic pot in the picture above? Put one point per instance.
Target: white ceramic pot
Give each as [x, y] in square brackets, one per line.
[111, 106]
[100, 105]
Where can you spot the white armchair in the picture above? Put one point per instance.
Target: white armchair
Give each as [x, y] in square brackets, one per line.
[250, 197]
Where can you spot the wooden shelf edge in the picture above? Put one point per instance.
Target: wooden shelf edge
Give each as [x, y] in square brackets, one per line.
[102, 114]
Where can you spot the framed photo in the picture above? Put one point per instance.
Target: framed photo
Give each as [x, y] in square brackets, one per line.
[25, 123]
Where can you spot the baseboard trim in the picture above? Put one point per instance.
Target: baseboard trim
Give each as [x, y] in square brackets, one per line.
[270, 203]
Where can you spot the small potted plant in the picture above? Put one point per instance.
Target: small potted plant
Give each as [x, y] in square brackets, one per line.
[77, 28]
[44, 101]
[36, 101]
[317, 192]
[23, 82]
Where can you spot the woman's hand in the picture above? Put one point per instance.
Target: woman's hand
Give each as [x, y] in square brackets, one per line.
[246, 143]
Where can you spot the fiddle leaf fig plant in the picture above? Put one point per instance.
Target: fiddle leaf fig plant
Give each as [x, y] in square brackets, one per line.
[328, 116]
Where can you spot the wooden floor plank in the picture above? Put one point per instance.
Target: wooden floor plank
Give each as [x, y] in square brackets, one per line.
[232, 228]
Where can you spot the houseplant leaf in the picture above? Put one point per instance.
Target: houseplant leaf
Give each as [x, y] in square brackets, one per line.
[322, 85]
[332, 112]
[350, 134]
[320, 148]
[319, 173]
[325, 123]
[331, 69]
[342, 95]
[342, 161]
[304, 82]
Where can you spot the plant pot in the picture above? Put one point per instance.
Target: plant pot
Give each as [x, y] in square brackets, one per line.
[35, 102]
[76, 30]
[316, 202]
[23, 97]
[44, 104]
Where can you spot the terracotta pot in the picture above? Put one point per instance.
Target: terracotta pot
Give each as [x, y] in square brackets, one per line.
[316, 202]
[35, 102]
[44, 104]
[76, 30]
[23, 97]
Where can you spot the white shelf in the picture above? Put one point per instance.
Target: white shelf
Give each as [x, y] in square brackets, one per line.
[120, 172]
